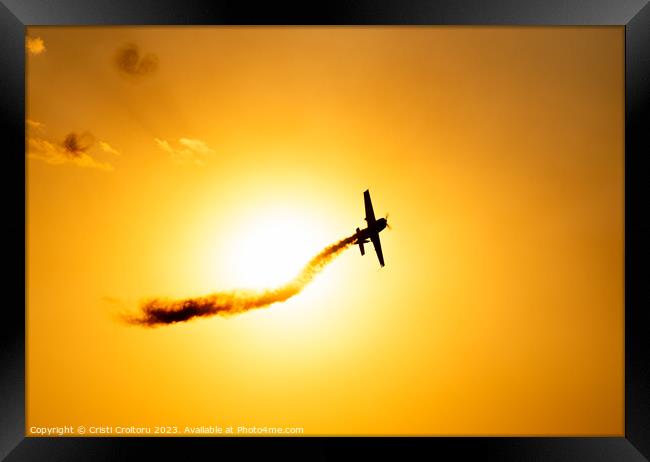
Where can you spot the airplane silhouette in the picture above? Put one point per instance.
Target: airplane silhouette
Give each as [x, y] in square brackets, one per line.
[372, 231]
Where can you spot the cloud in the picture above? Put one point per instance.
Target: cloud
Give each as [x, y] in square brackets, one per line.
[191, 151]
[73, 149]
[130, 61]
[104, 146]
[34, 45]
[34, 124]
[158, 312]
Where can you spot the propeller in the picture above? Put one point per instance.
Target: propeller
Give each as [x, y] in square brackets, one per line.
[387, 225]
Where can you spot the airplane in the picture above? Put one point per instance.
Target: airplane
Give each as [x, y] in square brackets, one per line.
[372, 231]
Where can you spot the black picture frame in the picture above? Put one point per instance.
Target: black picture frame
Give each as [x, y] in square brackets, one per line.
[634, 15]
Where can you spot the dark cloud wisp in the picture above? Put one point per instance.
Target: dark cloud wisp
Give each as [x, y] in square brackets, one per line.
[130, 61]
[75, 145]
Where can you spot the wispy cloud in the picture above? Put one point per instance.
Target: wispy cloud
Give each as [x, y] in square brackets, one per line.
[34, 45]
[32, 124]
[53, 153]
[190, 151]
[104, 146]
[74, 148]
[130, 61]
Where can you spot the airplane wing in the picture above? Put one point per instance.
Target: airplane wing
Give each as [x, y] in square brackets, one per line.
[370, 213]
[377, 244]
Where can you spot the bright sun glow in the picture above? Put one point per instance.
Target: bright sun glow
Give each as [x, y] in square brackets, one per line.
[272, 249]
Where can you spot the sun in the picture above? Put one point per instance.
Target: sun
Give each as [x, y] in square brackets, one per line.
[270, 249]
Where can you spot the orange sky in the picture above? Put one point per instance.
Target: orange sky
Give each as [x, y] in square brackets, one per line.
[227, 157]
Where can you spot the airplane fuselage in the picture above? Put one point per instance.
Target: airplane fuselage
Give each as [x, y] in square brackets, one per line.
[363, 235]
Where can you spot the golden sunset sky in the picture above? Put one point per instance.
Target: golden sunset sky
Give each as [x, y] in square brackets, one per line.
[226, 157]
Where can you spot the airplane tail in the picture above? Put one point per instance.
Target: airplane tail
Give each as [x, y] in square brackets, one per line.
[360, 242]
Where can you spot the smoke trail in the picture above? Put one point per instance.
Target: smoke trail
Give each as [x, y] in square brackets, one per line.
[160, 312]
